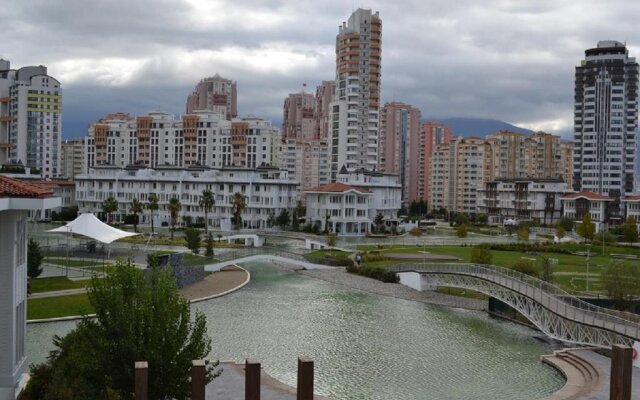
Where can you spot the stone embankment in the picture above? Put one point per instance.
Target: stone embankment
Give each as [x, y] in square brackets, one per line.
[339, 276]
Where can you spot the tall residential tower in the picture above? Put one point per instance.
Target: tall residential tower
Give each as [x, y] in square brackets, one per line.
[30, 118]
[354, 113]
[215, 94]
[606, 119]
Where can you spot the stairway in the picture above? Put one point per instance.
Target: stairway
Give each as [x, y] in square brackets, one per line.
[583, 378]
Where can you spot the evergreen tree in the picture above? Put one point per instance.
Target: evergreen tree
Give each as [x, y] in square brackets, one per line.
[34, 259]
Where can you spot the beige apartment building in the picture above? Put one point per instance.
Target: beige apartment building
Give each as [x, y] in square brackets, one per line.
[461, 167]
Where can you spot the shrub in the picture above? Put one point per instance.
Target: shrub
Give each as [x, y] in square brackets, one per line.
[462, 231]
[377, 273]
[416, 232]
[526, 267]
[192, 236]
[481, 254]
[523, 233]
[374, 256]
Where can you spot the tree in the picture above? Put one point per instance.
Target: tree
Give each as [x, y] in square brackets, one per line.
[378, 222]
[109, 205]
[174, 212]
[546, 272]
[206, 202]
[415, 232]
[332, 239]
[238, 205]
[462, 231]
[560, 231]
[587, 228]
[298, 212]
[136, 207]
[418, 208]
[567, 223]
[34, 259]
[523, 233]
[605, 236]
[462, 219]
[138, 317]
[192, 236]
[152, 206]
[482, 219]
[283, 219]
[621, 282]
[271, 220]
[209, 249]
[630, 230]
[481, 254]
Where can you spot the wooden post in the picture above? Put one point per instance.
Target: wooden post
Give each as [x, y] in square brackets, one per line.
[141, 379]
[198, 378]
[252, 380]
[621, 366]
[305, 379]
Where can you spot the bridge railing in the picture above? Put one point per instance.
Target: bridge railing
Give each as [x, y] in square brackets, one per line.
[246, 252]
[550, 296]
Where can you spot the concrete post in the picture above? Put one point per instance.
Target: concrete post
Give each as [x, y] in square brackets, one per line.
[621, 365]
[305, 379]
[141, 379]
[252, 380]
[198, 380]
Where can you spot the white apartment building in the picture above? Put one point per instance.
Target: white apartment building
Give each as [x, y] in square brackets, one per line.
[30, 118]
[632, 207]
[354, 111]
[268, 190]
[161, 139]
[576, 205]
[605, 120]
[350, 205]
[535, 200]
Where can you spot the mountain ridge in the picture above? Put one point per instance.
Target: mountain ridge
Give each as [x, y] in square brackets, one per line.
[481, 127]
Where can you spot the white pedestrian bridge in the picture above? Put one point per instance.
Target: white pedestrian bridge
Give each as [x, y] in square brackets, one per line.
[555, 312]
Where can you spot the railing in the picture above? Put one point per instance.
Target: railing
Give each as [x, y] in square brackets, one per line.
[551, 297]
[234, 255]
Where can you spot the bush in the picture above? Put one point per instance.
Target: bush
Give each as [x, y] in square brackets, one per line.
[416, 232]
[523, 233]
[164, 223]
[526, 267]
[607, 236]
[462, 231]
[192, 236]
[377, 273]
[374, 256]
[481, 254]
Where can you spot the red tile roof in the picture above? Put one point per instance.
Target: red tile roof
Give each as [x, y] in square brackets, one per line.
[336, 187]
[586, 194]
[635, 197]
[10, 187]
[52, 183]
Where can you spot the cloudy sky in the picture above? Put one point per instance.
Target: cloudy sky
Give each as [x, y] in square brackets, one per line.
[503, 59]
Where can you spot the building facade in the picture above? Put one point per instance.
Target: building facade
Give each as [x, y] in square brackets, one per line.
[30, 118]
[268, 191]
[601, 209]
[399, 150]
[161, 139]
[354, 111]
[215, 94]
[350, 205]
[523, 200]
[605, 120]
[432, 134]
[16, 200]
[72, 158]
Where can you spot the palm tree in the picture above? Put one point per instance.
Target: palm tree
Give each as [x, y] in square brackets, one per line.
[238, 204]
[207, 202]
[152, 206]
[136, 207]
[108, 206]
[174, 210]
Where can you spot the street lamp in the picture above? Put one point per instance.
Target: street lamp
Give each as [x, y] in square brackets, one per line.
[588, 256]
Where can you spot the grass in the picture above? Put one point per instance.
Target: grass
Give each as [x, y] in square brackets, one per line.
[60, 306]
[317, 255]
[40, 285]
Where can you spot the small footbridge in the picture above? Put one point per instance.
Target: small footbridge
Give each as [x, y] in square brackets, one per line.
[555, 312]
[262, 254]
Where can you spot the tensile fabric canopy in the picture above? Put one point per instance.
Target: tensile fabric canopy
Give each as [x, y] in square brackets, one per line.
[90, 226]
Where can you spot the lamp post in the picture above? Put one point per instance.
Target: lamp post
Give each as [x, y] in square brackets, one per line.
[588, 256]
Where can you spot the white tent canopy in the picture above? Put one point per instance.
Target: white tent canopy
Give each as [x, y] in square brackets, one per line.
[90, 226]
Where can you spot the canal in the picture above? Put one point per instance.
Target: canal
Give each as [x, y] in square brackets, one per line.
[365, 346]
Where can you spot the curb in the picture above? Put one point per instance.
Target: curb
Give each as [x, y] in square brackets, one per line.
[78, 317]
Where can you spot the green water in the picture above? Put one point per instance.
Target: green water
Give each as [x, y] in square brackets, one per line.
[365, 346]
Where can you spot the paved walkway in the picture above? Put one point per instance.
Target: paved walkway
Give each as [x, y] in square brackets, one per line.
[230, 386]
[57, 293]
[603, 364]
[216, 283]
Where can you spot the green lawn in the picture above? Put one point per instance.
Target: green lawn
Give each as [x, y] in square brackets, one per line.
[317, 255]
[56, 283]
[192, 260]
[61, 306]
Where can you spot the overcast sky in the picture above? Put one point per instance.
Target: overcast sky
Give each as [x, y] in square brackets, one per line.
[509, 60]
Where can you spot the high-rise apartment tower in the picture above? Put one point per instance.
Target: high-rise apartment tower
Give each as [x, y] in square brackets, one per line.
[605, 120]
[354, 112]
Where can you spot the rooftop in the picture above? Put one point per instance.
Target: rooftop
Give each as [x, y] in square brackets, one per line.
[586, 195]
[10, 187]
[336, 187]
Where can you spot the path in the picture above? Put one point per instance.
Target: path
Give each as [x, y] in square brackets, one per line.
[216, 284]
[230, 386]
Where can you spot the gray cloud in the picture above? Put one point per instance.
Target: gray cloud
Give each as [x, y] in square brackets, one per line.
[512, 60]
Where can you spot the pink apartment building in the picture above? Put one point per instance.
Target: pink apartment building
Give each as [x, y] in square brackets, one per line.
[432, 134]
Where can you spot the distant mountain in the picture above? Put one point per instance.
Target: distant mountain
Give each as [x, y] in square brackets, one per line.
[480, 127]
